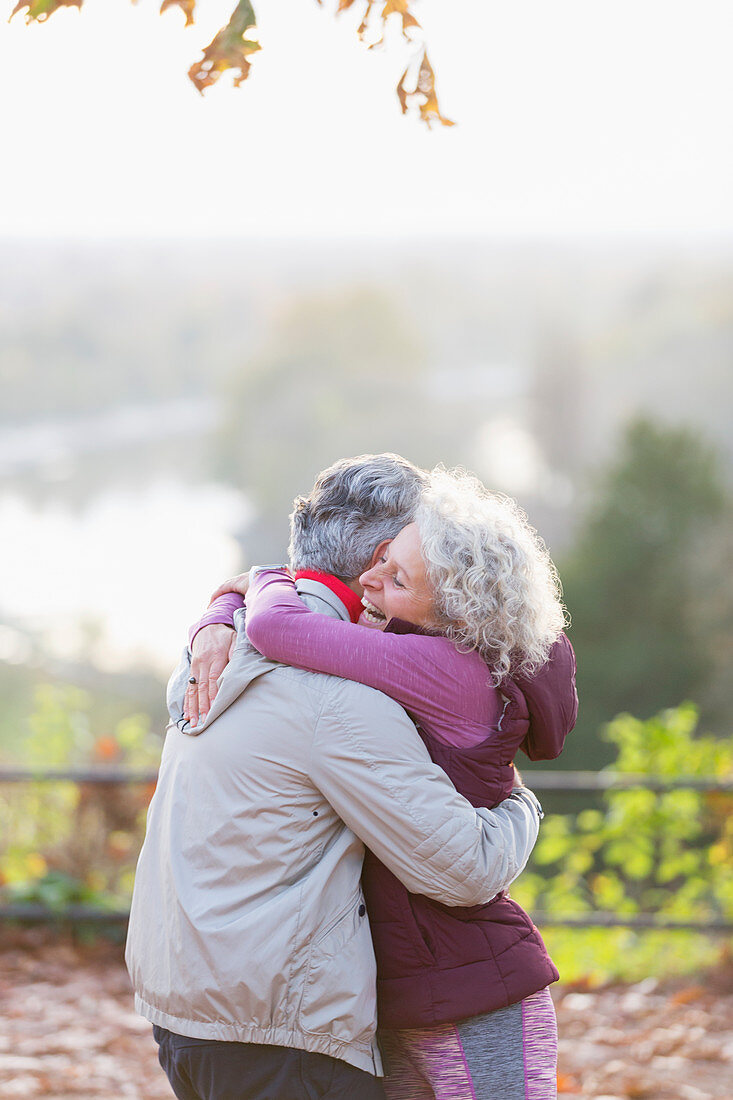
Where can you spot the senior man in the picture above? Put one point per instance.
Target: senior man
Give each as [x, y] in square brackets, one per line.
[249, 947]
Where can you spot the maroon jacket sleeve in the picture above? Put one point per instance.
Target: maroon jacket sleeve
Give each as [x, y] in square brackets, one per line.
[552, 701]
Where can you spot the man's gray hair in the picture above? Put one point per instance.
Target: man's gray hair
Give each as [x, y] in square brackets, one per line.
[353, 506]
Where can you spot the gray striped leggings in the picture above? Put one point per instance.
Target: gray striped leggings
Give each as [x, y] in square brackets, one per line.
[510, 1054]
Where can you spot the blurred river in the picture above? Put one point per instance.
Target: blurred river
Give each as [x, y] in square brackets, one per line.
[116, 577]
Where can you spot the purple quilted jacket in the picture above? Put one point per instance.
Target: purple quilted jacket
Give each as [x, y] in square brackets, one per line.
[438, 964]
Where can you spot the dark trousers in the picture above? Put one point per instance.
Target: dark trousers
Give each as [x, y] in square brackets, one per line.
[202, 1069]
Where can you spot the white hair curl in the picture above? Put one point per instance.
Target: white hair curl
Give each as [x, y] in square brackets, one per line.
[496, 589]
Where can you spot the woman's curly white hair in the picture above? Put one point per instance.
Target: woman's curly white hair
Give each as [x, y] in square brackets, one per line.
[496, 588]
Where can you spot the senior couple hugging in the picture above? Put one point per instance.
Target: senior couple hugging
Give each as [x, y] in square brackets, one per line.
[338, 816]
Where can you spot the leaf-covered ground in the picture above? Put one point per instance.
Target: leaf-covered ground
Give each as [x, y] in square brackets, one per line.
[69, 1030]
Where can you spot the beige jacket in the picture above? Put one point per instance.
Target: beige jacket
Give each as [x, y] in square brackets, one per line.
[248, 921]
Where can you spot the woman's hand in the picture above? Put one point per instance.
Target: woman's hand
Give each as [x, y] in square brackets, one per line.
[210, 654]
[239, 584]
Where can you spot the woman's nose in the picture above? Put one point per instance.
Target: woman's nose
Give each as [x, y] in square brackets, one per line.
[368, 579]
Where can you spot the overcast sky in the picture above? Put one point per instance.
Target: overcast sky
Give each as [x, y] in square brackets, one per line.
[575, 117]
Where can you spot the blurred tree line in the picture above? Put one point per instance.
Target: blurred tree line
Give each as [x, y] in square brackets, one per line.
[648, 585]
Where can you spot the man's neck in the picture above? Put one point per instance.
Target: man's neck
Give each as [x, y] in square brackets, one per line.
[349, 592]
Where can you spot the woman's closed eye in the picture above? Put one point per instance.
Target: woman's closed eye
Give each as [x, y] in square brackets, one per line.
[396, 583]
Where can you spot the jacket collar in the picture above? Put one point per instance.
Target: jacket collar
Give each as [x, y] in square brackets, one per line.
[346, 595]
[319, 597]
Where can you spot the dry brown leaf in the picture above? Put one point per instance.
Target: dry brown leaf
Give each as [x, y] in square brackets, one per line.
[40, 10]
[402, 92]
[186, 6]
[423, 95]
[401, 8]
[567, 1084]
[363, 26]
[687, 996]
[229, 49]
[106, 750]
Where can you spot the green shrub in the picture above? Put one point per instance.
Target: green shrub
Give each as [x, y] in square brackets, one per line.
[69, 843]
[666, 853]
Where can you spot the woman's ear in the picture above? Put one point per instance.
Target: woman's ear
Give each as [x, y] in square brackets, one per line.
[379, 552]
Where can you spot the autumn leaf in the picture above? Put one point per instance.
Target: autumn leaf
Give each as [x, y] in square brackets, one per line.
[423, 95]
[364, 25]
[186, 6]
[40, 10]
[229, 49]
[391, 7]
[402, 8]
[688, 996]
[106, 749]
[567, 1084]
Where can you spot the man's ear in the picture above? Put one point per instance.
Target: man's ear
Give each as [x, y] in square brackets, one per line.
[379, 552]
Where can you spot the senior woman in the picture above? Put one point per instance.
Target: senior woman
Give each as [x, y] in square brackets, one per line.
[471, 644]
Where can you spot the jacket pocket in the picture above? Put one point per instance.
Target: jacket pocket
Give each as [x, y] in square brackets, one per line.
[339, 996]
[342, 927]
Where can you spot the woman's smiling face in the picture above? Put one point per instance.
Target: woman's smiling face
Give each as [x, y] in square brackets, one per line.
[396, 586]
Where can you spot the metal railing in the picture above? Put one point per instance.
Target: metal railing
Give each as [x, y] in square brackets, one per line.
[543, 781]
[560, 782]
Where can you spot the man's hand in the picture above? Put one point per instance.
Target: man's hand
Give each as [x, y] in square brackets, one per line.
[239, 584]
[210, 653]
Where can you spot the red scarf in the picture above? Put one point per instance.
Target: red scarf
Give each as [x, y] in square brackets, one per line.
[348, 597]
